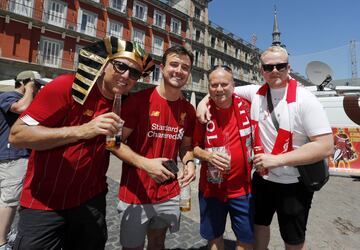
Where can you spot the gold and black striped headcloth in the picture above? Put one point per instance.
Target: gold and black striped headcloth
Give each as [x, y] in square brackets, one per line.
[93, 59]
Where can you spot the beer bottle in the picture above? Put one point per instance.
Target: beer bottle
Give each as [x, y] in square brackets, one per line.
[185, 196]
[113, 140]
[260, 150]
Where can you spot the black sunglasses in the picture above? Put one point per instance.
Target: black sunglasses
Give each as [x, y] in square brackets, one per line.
[121, 68]
[270, 67]
[225, 67]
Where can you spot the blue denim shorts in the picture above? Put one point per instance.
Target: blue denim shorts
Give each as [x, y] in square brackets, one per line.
[213, 213]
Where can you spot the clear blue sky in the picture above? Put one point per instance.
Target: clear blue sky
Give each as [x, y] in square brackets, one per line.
[312, 30]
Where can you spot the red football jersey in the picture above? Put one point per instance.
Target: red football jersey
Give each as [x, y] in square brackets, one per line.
[158, 128]
[238, 181]
[66, 176]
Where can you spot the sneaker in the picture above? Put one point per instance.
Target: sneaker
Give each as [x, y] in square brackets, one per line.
[5, 247]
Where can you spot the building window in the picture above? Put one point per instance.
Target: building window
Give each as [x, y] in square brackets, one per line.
[55, 12]
[197, 13]
[51, 52]
[236, 72]
[22, 7]
[158, 45]
[236, 53]
[196, 58]
[119, 5]
[76, 55]
[172, 43]
[114, 28]
[139, 36]
[140, 11]
[225, 47]
[197, 35]
[175, 26]
[213, 39]
[212, 61]
[88, 22]
[246, 71]
[197, 78]
[156, 76]
[159, 19]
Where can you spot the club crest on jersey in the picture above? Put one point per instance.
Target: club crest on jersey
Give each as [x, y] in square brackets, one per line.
[155, 113]
[182, 119]
[88, 112]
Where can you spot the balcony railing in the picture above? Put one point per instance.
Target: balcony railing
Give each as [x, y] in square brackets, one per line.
[56, 62]
[50, 18]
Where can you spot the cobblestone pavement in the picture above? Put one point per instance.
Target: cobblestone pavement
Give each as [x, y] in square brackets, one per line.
[187, 238]
[334, 221]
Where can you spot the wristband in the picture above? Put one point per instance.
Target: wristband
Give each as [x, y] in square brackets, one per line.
[189, 161]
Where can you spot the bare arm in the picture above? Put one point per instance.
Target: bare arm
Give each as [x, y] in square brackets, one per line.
[318, 148]
[153, 167]
[22, 104]
[202, 111]
[42, 138]
[186, 154]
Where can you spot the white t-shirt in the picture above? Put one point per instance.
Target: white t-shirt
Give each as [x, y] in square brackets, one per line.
[310, 120]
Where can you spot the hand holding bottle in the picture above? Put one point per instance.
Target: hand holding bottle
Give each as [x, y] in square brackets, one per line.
[115, 140]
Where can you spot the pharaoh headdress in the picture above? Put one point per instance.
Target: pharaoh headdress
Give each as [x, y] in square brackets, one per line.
[94, 58]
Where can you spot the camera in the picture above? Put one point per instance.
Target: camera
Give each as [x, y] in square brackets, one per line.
[26, 81]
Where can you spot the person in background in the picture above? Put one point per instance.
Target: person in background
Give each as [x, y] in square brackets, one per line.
[304, 137]
[223, 145]
[13, 161]
[159, 123]
[63, 201]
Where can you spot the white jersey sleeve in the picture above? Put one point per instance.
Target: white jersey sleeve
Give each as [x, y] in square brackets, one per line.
[312, 114]
[247, 92]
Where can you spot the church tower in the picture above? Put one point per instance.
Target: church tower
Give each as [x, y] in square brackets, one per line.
[276, 33]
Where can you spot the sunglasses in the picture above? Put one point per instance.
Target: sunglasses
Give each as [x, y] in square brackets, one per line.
[270, 67]
[225, 67]
[121, 68]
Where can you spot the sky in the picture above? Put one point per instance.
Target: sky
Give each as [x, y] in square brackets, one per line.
[312, 30]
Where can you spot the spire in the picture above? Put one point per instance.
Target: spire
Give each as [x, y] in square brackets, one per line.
[276, 33]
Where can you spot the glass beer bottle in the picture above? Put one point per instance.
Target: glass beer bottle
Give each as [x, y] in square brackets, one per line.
[113, 140]
[185, 196]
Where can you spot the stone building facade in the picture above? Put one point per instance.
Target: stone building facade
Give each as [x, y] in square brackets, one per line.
[46, 35]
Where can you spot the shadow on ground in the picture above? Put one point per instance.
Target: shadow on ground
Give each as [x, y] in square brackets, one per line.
[229, 244]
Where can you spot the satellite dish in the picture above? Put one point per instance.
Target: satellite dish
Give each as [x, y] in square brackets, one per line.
[318, 72]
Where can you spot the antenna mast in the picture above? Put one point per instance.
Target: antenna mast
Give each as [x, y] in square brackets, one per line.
[253, 39]
[353, 59]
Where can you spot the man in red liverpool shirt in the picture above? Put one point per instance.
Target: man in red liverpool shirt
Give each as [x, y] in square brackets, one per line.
[63, 199]
[224, 146]
[158, 126]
